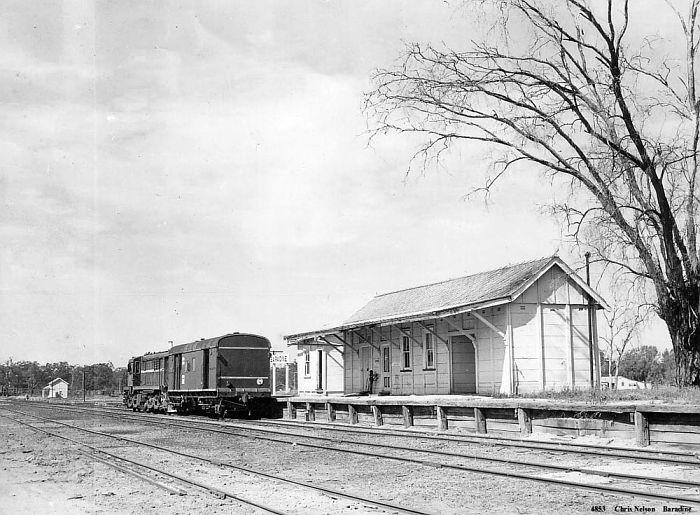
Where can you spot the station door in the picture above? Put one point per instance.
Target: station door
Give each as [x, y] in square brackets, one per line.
[463, 365]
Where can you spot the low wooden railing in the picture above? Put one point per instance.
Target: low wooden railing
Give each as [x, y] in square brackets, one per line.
[644, 422]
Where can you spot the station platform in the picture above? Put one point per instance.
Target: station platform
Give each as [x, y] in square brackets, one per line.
[644, 422]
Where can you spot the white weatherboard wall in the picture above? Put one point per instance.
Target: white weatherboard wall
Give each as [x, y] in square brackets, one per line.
[550, 335]
[545, 329]
[331, 362]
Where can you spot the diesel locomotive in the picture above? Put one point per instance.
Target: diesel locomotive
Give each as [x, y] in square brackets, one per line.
[219, 376]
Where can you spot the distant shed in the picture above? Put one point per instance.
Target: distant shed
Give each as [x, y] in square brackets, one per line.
[520, 328]
[57, 388]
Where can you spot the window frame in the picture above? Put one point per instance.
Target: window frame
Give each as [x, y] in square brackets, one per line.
[428, 341]
[307, 363]
[386, 359]
[406, 354]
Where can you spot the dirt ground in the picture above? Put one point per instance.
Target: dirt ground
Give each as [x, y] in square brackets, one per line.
[39, 474]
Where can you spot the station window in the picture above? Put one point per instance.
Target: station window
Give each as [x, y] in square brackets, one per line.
[406, 352]
[429, 348]
[307, 363]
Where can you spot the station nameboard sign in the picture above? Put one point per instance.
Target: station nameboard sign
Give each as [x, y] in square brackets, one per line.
[279, 359]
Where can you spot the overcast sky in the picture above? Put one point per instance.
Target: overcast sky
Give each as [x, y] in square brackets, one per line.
[179, 170]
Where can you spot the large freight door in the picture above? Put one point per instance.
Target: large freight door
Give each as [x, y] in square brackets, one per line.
[556, 346]
[463, 365]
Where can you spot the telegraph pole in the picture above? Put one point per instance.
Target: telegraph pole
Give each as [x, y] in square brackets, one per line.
[592, 347]
[83, 385]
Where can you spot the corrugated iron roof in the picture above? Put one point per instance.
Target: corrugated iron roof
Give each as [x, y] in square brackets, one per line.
[463, 291]
[454, 295]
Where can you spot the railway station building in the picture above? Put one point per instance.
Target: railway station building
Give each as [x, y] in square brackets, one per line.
[521, 328]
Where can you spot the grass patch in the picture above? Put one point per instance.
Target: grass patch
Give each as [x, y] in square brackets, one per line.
[686, 394]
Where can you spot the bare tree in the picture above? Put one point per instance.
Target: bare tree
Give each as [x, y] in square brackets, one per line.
[623, 321]
[570, 88]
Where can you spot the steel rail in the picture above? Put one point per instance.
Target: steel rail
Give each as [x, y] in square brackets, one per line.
[643, 454]
[143, 477]
[94, 456]
[656, 455]
[327, 491]
[561, 482]
[218, 492]
[547, 466]
[245, 426]
[497, 459]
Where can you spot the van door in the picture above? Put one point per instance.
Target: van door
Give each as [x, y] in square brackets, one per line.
[177, 372]
[205, 369]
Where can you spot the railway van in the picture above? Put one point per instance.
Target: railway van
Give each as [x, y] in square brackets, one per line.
[220, 376]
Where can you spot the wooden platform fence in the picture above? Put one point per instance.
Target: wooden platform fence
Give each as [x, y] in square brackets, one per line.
[664, 425]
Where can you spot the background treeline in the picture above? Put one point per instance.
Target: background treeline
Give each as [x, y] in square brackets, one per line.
[29, 377]
[645, 363]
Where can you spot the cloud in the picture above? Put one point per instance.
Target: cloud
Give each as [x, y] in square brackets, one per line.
[173, 173]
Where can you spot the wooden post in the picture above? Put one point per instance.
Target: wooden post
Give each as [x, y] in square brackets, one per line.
[524, 421]
[310, 414]
[480, 420]
[291, 410]
[407, 416]
[352, 414]
[441, 418]
[378, 421]
[330, 411]
[641, 428]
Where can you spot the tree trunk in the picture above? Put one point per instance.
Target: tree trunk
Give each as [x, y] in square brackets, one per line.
[687, 351]
[680, 312]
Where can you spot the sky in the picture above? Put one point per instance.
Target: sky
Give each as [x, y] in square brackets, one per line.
[180, 170]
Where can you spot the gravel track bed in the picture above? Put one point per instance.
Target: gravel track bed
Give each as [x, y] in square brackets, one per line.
[430, 489]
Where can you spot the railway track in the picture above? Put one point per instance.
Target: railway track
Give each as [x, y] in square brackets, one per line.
[386, 506]
[644, 454]
[317, 442]
[656, 455]
[117, 462]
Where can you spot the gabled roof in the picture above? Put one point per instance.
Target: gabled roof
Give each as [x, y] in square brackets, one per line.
[492, 287]
[56, 381]
[464, 291]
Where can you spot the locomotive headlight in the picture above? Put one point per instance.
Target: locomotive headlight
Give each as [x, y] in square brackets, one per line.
[260, 381]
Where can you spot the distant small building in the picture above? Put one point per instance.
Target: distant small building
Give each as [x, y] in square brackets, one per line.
[58, 388]
[623, 383]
